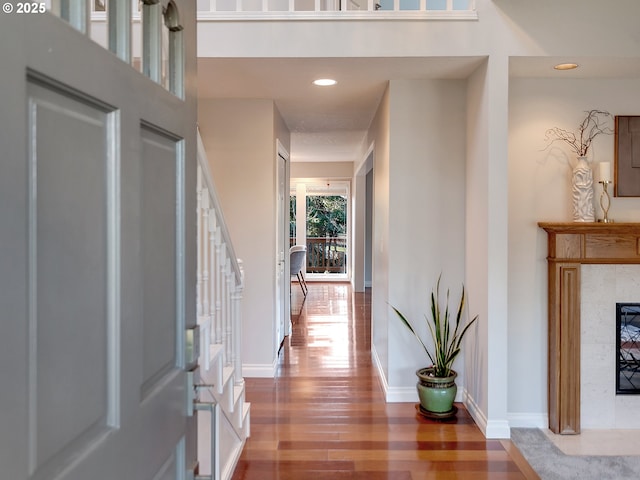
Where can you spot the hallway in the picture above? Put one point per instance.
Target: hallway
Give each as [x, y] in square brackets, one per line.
[324, 416]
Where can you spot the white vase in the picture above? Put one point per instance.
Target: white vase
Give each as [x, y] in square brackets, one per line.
[582, 191]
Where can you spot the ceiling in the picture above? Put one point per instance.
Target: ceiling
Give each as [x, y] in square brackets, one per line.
[589, 67]
[330, 123]
[327, 123]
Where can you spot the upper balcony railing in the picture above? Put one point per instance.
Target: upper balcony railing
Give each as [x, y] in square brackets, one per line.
[336, 9]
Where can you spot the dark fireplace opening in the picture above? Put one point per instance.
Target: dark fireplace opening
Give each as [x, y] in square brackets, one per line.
[628, 348]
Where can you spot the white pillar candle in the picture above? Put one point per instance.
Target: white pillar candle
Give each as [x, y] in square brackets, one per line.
[605, 171]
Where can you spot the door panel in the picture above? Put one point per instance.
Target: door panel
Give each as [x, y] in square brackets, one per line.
[67, 283]
[97, 258]
[159, 223]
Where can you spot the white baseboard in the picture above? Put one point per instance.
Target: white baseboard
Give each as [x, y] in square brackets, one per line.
[528, 420]
[368, 284]
[259, 370]
[490, 428]
[408, 395]
[230, 466]
[498, 429]
[378, 367]
[475, 412]
[399, 394]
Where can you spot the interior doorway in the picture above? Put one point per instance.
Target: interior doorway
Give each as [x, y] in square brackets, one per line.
[320, 219]
[368, 231]
[362, 231]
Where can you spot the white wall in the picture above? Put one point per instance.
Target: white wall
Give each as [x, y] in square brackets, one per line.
[477, 237]
[539, 190]
[486, 245]
[240, 139]
[379, 134]
[423, 222]
[322, 170]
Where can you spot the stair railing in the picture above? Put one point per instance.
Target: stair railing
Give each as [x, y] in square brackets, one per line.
[348, 7]
[220, 277]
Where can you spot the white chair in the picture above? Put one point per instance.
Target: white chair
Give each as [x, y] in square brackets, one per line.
[297, 256]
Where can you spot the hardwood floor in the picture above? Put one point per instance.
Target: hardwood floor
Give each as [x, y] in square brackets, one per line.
[324, 416]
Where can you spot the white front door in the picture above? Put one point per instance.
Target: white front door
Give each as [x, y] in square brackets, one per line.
[97, 248]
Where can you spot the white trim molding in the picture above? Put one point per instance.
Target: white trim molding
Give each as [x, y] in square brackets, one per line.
[490, 428]
[528, 420]
[259, 370]
[439, 15]
[401, 394]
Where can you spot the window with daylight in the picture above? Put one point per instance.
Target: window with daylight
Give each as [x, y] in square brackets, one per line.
[320, 220]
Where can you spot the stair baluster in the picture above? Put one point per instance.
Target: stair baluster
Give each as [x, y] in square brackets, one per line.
[220, 282]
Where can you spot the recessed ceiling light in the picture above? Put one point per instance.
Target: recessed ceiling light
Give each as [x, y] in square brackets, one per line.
[565, 66]
[324, 82]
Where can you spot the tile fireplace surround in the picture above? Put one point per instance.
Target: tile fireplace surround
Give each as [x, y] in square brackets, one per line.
[602, 288]
[571, 245]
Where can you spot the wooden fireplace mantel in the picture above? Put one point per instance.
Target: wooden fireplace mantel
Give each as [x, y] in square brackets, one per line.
[569, 246]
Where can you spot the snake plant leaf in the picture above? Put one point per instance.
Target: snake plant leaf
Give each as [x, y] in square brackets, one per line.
[447, 339]
[411, 329]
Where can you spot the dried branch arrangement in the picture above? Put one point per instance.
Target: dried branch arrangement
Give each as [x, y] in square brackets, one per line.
[594, 124]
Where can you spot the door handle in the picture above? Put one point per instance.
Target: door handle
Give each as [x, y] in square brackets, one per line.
[193, 389]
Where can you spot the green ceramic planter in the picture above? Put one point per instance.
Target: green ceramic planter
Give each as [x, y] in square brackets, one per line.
[436, 393]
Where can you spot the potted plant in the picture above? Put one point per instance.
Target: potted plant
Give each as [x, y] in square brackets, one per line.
[436, 383]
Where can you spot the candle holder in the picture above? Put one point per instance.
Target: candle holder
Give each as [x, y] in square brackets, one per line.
[605, 202]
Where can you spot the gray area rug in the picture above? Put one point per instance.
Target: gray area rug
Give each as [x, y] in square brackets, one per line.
[551, 463]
